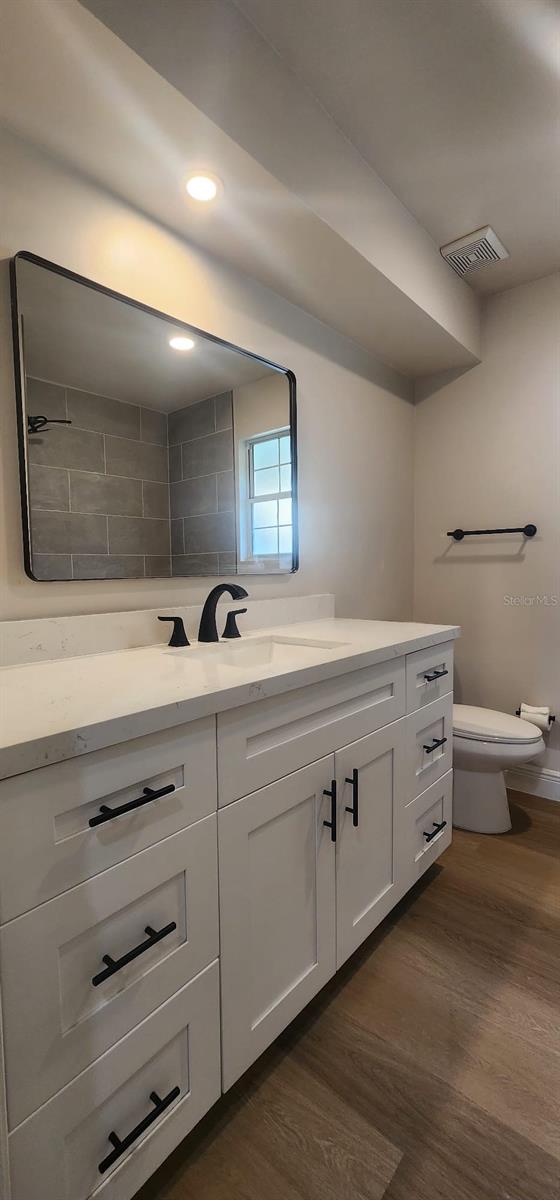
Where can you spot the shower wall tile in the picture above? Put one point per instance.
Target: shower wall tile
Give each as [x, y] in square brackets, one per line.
[68, 533]
[103, 414]
[52, 566]
[175, 464]
[177, 539]
[108, 566]
[138, 535]
[193, 496]
[156, 499]
[130, 497]
[158, 566]
[226, 499]
[223, 408]
[194, 421]
[66, 446]
[195, 564]
[91, 493]
[214, 532]
[48, 487]
[227, 564]
[207, 455]
[136, 460]
[153, 426]
[45, 399]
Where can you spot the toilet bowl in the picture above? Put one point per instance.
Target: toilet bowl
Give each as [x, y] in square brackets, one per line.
[485, 744]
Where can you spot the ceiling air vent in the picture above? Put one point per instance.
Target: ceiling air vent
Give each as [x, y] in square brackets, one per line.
[476, 250]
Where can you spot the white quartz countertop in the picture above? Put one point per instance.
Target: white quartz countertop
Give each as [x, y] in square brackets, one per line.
[51, 711]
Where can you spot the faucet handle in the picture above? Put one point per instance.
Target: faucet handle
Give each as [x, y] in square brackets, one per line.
[231, 630]
[178, 637]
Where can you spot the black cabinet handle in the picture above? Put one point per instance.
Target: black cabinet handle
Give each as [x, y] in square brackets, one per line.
[332, 823]
[119, 1146]
[108, 814]
[436, 742]
[353, 807]
[114, 965]
[438, 826]
[431, 675]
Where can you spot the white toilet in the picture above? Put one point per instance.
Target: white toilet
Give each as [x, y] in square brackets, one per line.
[485, 744]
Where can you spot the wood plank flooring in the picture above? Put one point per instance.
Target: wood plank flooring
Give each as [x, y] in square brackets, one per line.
[429, 1069]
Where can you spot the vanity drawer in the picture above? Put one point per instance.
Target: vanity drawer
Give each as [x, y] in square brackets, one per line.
[426, 760]
[426, 828]
[48, 844]
[56, 1019]
[56, 1153]
[265, 741]
[429, 675]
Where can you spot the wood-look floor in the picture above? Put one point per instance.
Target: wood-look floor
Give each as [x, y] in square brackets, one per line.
[429, 1069]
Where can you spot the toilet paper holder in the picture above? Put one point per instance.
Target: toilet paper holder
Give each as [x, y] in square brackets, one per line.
[551, 718]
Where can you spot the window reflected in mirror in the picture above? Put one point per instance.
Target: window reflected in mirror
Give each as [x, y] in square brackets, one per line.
[264, 473]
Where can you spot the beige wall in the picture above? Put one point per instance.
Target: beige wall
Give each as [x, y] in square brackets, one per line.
[488, 454]
[355, 423]
[261, 406]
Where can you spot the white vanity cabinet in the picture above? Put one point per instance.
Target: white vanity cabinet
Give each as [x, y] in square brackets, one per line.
[169, 904]
[310, 864]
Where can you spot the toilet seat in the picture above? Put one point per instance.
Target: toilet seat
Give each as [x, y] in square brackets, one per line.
[488, 725]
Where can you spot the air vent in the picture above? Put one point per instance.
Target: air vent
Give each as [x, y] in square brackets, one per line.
[476, 250]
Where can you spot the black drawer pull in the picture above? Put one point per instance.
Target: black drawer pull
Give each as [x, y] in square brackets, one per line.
[437, 829]
[436, 742]
[108, 814]
[332, 823]
[353, 807]
[119, 1146]
[113, 965]
[435, 675]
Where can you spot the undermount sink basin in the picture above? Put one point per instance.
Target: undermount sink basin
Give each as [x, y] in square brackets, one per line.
[270, 650]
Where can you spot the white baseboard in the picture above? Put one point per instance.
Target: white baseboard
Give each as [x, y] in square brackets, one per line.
[537, 781]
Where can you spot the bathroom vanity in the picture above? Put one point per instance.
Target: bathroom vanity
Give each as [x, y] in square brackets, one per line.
[192, 842]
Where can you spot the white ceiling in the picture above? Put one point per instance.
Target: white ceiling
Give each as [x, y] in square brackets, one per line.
[352, 138]
[455, 103]
[82, 338]
[322, 230]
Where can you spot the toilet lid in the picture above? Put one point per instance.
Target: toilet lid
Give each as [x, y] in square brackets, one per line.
[485, 724]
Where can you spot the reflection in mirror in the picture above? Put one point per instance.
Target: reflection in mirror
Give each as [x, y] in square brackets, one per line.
[148, 448]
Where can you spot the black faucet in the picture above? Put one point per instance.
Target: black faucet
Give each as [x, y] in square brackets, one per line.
[208, 631]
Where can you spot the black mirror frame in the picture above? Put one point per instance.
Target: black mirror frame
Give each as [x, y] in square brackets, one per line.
[28, 256]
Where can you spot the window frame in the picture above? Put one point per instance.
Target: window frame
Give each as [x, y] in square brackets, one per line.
[247, 499]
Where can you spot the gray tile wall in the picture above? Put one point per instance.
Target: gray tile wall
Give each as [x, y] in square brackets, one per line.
[99, 494]
[203, 535]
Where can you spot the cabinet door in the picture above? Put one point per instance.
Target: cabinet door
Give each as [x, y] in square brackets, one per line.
[277, 909]
[370, 777]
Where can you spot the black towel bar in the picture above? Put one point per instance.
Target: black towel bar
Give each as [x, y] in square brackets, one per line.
[458, 534]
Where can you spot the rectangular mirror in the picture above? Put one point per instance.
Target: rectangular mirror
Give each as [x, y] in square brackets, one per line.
[148, 448]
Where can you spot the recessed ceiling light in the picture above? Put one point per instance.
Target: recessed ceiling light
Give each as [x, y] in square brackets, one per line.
[203, 187]
[181, 343]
